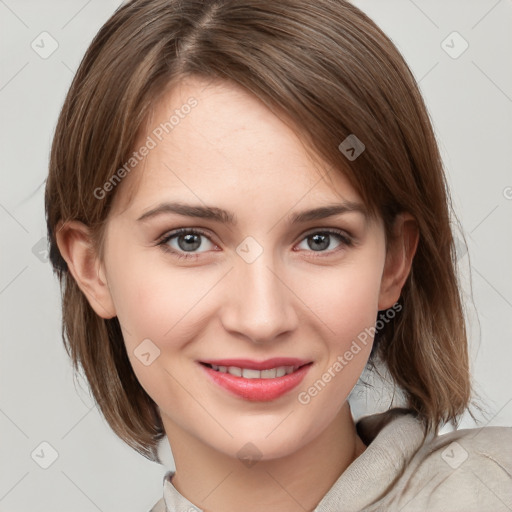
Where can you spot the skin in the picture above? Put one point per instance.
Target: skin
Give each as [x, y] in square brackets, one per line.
[294, 300]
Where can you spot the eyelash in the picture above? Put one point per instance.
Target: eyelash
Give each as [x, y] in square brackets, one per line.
[162, 241]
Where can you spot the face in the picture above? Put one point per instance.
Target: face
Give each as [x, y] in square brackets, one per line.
[215, 266]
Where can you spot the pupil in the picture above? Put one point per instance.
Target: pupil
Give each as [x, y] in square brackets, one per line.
[321, 241]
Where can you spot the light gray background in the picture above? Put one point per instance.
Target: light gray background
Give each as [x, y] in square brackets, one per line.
[470, 101]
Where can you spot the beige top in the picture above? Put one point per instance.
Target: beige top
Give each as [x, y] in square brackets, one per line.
[465, 470]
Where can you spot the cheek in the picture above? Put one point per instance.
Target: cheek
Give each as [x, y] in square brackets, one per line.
[152, 300]
[137, 305]
[354, 305]
[345, 299]
[346, 303]
[169, 307]
[157, 303]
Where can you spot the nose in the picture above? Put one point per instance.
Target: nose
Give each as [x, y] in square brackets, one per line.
[260, 303]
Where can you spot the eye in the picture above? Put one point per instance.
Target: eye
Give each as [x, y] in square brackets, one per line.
[319, 241]
[183, 241]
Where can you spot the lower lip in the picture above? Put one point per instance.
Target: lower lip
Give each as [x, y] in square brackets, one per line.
[257, 390]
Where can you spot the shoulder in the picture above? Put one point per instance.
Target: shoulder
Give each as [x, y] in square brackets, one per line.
[464, 470]
[472, 450]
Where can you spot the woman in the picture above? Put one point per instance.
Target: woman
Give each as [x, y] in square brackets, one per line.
[246, 206]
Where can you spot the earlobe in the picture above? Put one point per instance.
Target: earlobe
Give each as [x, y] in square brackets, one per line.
[401, 250]
[77, 248]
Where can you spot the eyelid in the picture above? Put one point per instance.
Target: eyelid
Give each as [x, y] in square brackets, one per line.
[330, 230]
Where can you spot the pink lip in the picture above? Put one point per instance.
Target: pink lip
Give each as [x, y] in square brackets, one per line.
[258, 390]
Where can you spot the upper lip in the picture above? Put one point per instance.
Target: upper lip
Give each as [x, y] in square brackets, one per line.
[250, 364]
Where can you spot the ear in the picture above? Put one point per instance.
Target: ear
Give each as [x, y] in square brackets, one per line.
[76, 247]
[400, 253]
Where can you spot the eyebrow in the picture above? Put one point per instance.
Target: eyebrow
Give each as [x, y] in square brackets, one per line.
[226, 217]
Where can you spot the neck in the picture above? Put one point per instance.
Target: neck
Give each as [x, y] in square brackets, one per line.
[216, 482]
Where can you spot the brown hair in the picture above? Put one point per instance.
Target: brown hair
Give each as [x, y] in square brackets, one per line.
[329, 70]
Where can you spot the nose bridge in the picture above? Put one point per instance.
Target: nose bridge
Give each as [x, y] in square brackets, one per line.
[260, 305]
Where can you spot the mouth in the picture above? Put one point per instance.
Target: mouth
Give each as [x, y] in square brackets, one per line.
[257, 381]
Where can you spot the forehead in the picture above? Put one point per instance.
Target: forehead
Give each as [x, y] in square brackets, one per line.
[212, 141]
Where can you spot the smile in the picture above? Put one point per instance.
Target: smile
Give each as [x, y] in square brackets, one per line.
[257, 381]
[248, 373]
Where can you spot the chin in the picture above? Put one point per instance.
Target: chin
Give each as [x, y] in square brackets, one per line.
[274, 443]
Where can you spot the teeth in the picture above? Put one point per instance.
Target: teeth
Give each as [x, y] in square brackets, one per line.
[269, 374]
[233, 370]
[248, 373]
[251, 374]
